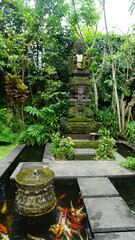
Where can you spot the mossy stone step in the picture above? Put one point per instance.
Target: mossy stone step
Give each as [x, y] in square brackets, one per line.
[84, 154]
[85, 144]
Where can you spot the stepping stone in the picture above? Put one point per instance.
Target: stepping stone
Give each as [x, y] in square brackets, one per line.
[109, 214]
[115, 236]
[84, 151]
[75, 169]
[97, 187]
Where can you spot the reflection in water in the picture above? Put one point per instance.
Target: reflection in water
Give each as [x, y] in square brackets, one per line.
[126, 188]
[124, 150]
[20, 227]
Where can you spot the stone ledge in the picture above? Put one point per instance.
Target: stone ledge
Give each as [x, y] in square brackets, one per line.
[97, 187]
[110, 214]
[9, 159]
[115, 236]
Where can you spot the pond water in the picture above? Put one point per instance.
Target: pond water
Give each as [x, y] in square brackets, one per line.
[19, 226]
[28, 154]
[125, 150]
[126, 188]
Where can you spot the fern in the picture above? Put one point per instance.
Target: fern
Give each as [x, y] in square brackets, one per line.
[35, 130]
[6, 135]
[32, 110]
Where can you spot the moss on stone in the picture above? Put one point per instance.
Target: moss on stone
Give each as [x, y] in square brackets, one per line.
[86, 145]
[86, 111]
[84, 157]
[80, 127]
[78, 81]
[80, 119]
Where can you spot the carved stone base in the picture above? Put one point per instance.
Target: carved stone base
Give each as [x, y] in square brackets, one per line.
[80, 127]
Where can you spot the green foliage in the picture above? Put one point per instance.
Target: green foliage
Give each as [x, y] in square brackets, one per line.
[105, 150]
[109, 121]
[6, 149]
[61, 147]
[129, 163]
[6, 135]
[32, 111]
[130, 135]
[132, 7]
[43, 123]
[4, 116]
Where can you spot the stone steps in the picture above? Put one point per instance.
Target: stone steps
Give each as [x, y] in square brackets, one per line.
[84, 153]
[109, 216]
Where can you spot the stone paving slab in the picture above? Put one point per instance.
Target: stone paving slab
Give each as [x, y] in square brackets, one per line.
[9, 159]
[84, 151]
[109, 214]
[119, 157]
[96, 187]
[75, 169]
[47, 153]
[115, 236]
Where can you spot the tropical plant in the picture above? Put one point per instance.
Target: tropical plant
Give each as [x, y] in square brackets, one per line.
[105, 150]
[61, 147]
[130, 135]
[129, 163]
[6, 134]
[43, 123]
[109, 121]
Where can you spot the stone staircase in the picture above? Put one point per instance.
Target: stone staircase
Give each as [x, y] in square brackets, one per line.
[84, 149]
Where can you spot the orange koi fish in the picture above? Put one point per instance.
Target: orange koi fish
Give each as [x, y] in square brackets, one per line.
[3, 229]
[62, 196]
[4, 208]
[61, 227]
[78, 226]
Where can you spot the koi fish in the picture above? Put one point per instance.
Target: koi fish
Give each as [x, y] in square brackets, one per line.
[61, 227]
[34, 238]
[9, 222]
[4, 208]
[79, 201]
[3, 229]
[61, 197]
[3, 236]
[78, 226]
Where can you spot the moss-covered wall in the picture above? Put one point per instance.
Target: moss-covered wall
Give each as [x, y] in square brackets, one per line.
[86, 145]
[80, 127]
[86, 111]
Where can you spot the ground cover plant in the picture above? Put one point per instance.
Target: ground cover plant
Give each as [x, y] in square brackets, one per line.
[6, 149]
[61, 147]
[106, 147]
[129, 163]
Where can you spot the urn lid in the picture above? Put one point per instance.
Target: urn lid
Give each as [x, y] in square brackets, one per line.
[34, 176]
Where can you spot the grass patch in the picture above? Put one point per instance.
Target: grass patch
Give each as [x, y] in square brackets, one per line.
[129, 163]
[6, 149]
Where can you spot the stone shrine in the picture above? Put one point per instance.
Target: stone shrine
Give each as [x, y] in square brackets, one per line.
[79, 116]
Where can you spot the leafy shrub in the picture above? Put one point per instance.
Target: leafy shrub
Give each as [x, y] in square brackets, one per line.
[3, 115]
[62, 147]
[6, 135]
[109, 121]
[106, 149]
[129, 163]
[130, 135]
[43, 123]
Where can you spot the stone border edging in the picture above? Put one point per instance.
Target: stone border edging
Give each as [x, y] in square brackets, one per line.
[9, 159]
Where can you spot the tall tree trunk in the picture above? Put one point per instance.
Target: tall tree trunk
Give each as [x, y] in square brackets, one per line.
[95, 92]
[22, 115]
[116, 93]
[113, 71]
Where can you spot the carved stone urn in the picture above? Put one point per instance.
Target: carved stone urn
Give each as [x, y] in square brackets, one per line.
[35, 194]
